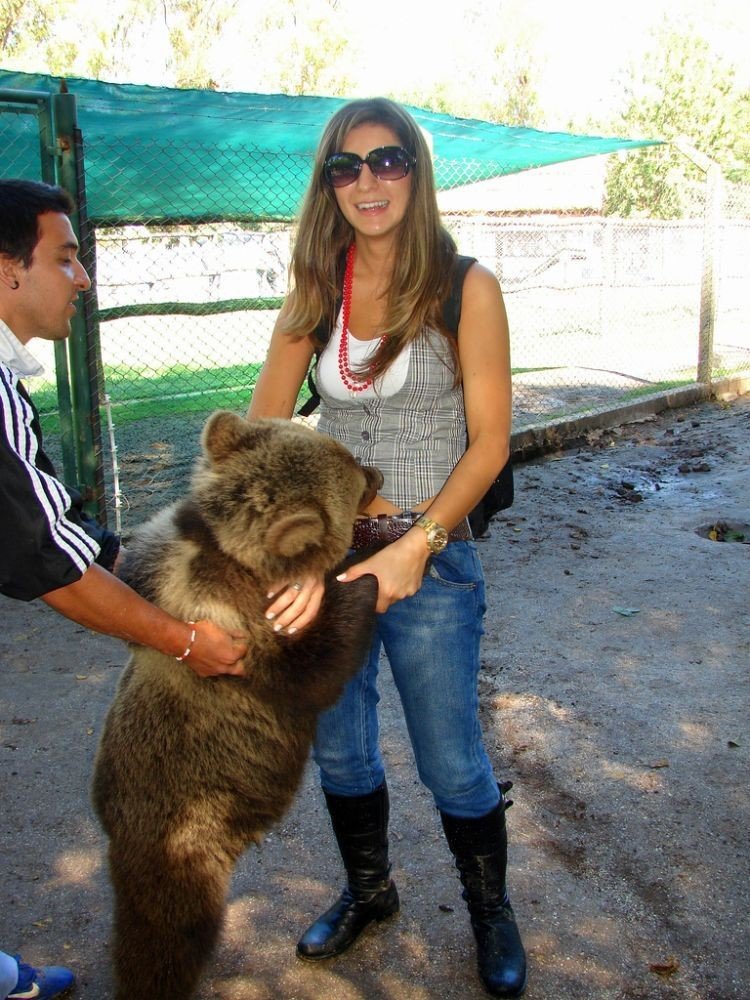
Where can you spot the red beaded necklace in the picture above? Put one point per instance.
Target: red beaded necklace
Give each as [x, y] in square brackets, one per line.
[352, 380]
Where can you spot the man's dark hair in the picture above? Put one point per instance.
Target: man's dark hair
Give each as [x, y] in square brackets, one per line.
[21, 204]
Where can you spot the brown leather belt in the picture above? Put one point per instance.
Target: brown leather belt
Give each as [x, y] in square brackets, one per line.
[385, 528]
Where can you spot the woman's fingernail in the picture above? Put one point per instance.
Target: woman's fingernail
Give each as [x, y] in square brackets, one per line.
[278, 627]
[270, 616]
[341, 576]
[291, 631]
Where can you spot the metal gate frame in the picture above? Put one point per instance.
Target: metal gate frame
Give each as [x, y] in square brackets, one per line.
[78, 368]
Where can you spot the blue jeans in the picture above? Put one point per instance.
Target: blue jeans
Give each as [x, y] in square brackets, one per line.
[432, 644]
[8, 974]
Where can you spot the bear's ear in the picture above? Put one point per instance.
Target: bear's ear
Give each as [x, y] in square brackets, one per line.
[223, 434]
[292, 535]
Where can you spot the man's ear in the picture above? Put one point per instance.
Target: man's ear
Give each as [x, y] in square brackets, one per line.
[10, 271]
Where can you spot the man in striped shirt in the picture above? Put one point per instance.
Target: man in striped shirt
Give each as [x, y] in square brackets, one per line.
[49, 548]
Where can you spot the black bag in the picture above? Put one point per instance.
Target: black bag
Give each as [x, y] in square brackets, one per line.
[498, 497]
[500, 494]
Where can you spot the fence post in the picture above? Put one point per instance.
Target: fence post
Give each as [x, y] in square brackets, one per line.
[709, 274]
[82, 349]
[48, 156]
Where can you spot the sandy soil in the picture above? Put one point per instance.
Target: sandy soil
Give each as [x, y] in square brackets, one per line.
[615, 696]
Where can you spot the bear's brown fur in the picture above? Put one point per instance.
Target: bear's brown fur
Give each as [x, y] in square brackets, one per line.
[191, 771]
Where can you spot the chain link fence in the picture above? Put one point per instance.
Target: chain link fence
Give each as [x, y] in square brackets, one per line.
[602, 310]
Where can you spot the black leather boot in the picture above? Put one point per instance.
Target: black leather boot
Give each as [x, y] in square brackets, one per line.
[480, 847]
[361, 827]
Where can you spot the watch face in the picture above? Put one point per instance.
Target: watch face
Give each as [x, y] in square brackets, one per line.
[437, 536]
[438, 539]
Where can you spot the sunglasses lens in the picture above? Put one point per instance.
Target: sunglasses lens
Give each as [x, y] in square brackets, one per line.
[390, 163]
[341, 169]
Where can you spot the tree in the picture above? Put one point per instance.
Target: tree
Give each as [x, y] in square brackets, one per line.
[503, 93]
[116, 33]
[189, 21]
[684, 90]
[485, 67]
[28, 25]
[299, 47]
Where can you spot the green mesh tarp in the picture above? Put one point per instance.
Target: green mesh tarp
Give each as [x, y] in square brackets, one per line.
[160, 154]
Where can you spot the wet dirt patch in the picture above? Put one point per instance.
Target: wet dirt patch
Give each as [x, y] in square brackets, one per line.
[725, 531]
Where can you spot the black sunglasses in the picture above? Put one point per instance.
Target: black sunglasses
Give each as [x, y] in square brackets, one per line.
[388, 163]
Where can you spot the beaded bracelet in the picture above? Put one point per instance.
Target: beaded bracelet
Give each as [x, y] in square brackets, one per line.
[189, 645]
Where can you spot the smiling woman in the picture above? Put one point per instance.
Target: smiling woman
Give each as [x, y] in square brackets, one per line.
[374, 266]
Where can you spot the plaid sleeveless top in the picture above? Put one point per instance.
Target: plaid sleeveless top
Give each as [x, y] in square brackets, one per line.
[415, 435]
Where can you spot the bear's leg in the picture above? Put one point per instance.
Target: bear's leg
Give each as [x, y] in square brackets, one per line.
[168, 913]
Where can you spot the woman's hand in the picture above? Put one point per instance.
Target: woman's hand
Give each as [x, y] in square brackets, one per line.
[295, 605]
[399, 568]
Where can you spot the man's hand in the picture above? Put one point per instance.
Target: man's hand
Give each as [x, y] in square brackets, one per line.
[215, 651]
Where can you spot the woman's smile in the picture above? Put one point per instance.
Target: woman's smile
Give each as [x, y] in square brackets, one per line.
[372, 206]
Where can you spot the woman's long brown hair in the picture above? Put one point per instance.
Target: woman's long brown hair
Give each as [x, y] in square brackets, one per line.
[421, 270]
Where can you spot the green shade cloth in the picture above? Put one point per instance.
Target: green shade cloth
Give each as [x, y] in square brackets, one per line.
[160, 154]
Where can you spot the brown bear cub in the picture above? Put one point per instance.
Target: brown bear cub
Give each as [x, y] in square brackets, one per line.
[191, 771]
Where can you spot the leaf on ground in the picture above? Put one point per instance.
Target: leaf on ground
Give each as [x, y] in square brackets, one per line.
[722, 532]
[733, 743]
[626, 612]
[666, 968]
[659, 763]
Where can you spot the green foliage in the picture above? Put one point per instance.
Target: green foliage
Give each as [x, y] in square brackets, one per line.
[645, 183]
[194, 26]
[507, 100]
[682, 91]
[27, 26]
[489, 72]
[307, 44]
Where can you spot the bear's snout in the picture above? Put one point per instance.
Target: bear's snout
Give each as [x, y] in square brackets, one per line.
[373, 482]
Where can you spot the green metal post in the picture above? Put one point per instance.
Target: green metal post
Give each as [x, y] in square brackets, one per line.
[48, 170]
[709, 275]
[80, 344]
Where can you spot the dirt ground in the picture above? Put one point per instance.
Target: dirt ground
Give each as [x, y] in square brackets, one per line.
[615, 696]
